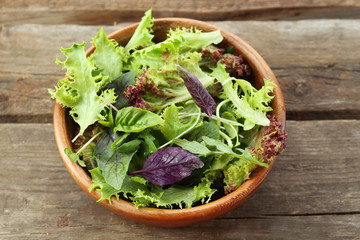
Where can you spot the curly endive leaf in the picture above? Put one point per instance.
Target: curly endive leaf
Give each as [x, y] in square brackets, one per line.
[79, 90]
[129, 186]
[174, 196]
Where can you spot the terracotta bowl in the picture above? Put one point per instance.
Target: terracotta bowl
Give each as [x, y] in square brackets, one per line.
[64, 126]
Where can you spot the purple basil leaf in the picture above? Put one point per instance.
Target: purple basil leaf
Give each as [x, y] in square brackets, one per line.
[199, 93]
[169, 165]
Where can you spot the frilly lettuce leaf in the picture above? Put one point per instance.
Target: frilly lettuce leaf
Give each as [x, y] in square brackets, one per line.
[253, 104]
[194, 39]
[129, 186]
[237, 172]
[203, 191]
[79, 91]
[108, 55]
[167, 198]
[172, 126]
[143, 34]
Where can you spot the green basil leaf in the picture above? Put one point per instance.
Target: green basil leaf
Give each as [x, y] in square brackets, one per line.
[130, 119]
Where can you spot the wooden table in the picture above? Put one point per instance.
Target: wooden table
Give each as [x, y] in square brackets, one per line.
[313, 47]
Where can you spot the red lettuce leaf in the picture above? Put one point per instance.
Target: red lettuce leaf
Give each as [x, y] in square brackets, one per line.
[169, 165]
[199, 93]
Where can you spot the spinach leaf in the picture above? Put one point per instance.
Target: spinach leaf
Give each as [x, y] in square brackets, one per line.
[114, 162]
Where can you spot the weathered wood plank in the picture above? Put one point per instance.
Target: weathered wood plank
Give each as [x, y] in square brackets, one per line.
[108, 12]
[313, 192]
[65, 226]
[316, 62]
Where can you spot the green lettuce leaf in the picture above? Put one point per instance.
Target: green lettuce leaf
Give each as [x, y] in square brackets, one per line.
[253, 104]
[217, 147]
[194, 39]
[236, 173]
[79, 91]
[129, 186]
[108, 55]
[172, 126]
[130, 119]
[167, 198]
[203, 191]
[193, 147]
[143, 34]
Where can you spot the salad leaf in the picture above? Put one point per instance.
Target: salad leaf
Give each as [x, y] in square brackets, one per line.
[236, 173]
[74, 157]
[253, 104]
[233, 131]
[217, 148]
[160, 86]
[130, 119]
[169, 165]
[159, 197]
[142, 35]
[119, 85]
[99, 183]
[177, 195]
[203, 191]
[79, 90]
[129, 186]
[199, 93]
[209, 129]
[149, 141]
[225, 149]
[193, 147]
[268, 142]
[108, 55]
[172, 126]
[114, 163]
[194, 39]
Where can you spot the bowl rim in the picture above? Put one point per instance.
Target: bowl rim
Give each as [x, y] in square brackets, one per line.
[185, 216]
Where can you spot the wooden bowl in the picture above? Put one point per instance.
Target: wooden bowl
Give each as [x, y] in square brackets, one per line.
[63, 128]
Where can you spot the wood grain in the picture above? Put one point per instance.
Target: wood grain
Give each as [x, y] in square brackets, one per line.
[107, 12]
[313, 192]
[316, 62]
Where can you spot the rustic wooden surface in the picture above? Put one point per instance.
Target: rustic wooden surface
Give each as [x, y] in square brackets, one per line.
[313, 192]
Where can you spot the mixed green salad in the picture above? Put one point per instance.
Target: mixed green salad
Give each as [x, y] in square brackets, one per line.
[171, 124]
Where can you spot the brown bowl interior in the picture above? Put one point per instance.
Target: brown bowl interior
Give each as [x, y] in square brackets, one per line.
[63, 129]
